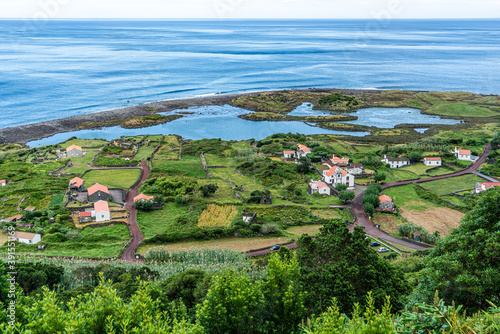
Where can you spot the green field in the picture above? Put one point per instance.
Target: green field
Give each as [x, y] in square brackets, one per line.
[446, 186]
[248, 183]
[224, 193]
[144, 152]
[101, 242]
[156, 222]
[80, 163]
[461, 110]
[114, 178]
[406, 196]
[190, 165]
[215, 160]
[84, 143]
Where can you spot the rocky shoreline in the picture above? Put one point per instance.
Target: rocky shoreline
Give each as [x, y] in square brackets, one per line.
[37, 131]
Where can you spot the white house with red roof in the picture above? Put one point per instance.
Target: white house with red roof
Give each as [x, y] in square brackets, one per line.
[74, 151]
[3, 183]
[483, 186]
[386, 203]
[396, 162]
[465, 155]
[337, 175]
[289, 154]
[102, 212]
[302, 151]
[432, 162]
[319, 187]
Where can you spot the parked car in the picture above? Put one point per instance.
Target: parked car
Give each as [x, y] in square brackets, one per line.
[383, 250]
[275, 248]
[374, 244]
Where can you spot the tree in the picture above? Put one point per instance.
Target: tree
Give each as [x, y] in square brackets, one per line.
[284, 307]
[415, 155]
[209, 189]
[346, 196]
[191, 286]
[303, 165]
[340, 264]
[369, 209]
[232, 305]
[379, 177]
[340, 187]
[465, 266]
[371, 198]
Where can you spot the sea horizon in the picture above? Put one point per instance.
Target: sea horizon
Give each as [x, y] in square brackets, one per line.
[69, 67]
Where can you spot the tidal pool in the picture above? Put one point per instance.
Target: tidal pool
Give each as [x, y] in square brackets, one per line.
[379, 117]
[205, 122]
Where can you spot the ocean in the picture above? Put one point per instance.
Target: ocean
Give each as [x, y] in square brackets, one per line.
[56, 69]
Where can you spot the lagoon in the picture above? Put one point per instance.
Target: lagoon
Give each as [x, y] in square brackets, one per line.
[379, 117]
[205, 122]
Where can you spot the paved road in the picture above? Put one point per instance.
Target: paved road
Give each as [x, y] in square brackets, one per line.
[128, 255]
[362, 219]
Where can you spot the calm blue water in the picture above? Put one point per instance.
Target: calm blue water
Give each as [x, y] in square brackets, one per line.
[206, 122]
[379, 117]
[63, 68]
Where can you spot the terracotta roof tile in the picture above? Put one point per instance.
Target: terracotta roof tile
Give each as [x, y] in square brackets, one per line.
[96, 187]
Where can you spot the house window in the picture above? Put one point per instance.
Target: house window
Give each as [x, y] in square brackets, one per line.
[30, 241]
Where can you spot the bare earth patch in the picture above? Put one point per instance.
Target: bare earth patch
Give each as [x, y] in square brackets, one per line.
[388, 223]
[237, 244]
[435, 219]
[3, 238]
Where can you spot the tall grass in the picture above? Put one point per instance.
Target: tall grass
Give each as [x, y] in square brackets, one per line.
[166, 264]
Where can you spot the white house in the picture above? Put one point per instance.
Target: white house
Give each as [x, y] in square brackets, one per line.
[28, 238]
[318, 187]
[302, 151]
[355, 169]
[432, 162]
[249, 217]
[3, 183]
[74, 151]
[396, 162]
[337, 175]
[463, 155]
[482, 186]
[101, 210]
[289, 154]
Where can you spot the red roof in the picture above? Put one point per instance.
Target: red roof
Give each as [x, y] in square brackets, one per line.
[289, 152]
[332, 170]
[85, 214]
[337, 160]
[321, 184]
[384, 198]
[24, 235]
[76, 182]
[464, 152]
[144, 197]
[2, 181]
[101, 206]
[96, 187]
[488, 185]
[303, 148]
[72, 147]
[432, 159]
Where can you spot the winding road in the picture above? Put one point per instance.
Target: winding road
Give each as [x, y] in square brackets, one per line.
[370, 229]
[137, 237]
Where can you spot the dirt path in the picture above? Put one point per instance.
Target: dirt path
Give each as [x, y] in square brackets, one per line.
[137, 237]
[370, 229]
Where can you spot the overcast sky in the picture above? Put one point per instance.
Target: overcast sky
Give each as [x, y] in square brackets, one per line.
[249, 8]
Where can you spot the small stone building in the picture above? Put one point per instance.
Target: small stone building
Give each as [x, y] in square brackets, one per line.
[74, 151]
[386, 203]
[98, 192]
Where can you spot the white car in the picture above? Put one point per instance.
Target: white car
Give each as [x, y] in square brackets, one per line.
[383, 250]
